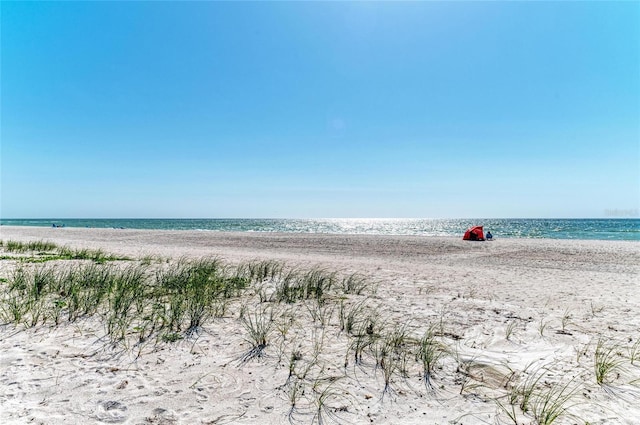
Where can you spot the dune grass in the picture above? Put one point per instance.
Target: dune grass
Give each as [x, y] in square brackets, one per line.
[39, 246]
[258, 327]
[145, 299]
[608, 362]
[44, 251]
[552, 402]
[534, 397]
[430, 353]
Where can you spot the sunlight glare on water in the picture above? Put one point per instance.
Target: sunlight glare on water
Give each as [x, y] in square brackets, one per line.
[612, 229]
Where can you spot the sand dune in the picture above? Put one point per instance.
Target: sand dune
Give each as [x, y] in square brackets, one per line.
[505, 310]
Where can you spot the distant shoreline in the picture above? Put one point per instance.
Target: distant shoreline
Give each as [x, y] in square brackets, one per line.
[573, 229]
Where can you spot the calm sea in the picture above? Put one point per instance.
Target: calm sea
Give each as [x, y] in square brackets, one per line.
[611, 229]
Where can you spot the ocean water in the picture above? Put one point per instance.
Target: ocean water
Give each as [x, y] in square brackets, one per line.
[609, 229]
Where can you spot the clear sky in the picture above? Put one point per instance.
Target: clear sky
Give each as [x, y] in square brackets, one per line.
[355, 109]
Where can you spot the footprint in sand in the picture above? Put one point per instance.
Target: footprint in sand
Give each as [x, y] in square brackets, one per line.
[111, 412]
[162, 417]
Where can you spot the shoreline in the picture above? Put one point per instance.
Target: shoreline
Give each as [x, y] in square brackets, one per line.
[507, 305]
[328, 234]
[625, 229]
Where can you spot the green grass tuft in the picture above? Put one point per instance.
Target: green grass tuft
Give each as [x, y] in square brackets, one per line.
[608, 362]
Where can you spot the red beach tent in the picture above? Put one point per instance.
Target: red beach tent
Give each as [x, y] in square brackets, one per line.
[474, 234]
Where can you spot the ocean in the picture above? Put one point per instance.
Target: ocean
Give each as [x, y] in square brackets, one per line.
[606, 229]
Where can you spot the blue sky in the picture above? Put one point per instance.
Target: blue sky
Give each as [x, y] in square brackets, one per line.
[354, 109]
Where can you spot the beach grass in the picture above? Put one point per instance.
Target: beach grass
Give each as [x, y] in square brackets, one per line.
[258, 327]
[44, 251]
[552, 402]
[535, 397]
[430, 353]
[35, 246]
[608, 361]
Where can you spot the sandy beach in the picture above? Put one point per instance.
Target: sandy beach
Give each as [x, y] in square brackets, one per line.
[504, 313]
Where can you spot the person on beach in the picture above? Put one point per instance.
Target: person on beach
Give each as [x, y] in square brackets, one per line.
[489, 236]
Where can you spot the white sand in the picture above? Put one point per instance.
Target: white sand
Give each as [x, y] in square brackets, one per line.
[67, 374]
